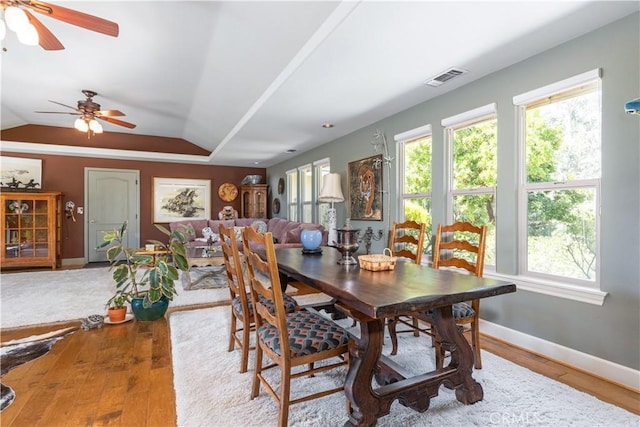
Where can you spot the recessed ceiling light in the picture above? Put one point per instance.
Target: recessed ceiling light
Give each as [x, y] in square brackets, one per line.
[256, 163]
[327, 125]
[291, 150]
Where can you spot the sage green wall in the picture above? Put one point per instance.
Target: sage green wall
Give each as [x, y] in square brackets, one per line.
[611, 331]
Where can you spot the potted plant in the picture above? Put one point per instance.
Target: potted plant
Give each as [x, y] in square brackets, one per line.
[116, 307]
[147, 279]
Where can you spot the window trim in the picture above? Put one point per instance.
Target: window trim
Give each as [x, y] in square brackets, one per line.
[314, 169]
[554, 88]
[555, 285]
[291, 205]
[553, 288]
[452, 124]
[401, 140]
[302, 191]
[318, 165]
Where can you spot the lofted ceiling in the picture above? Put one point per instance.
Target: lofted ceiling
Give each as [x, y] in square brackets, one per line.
[248, 81]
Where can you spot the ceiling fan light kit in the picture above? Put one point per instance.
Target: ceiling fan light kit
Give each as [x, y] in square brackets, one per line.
[17, 21]
[30, 31]
[89, 111]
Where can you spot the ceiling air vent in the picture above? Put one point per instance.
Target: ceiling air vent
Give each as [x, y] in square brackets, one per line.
[446, 76]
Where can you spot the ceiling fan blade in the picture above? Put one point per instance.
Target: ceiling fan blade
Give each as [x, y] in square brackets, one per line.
[46, 39]
[59, 112]
[116, 122]
[64, 105]
[74, 17]
[109, 113]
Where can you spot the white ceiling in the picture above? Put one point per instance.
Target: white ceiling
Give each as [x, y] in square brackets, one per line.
[250, 80]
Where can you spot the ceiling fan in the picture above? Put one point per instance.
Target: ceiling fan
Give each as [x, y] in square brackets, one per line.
[16, 10]
[89, 111]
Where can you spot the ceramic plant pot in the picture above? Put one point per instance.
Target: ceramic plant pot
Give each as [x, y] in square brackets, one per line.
[117, 314]
[155, 312]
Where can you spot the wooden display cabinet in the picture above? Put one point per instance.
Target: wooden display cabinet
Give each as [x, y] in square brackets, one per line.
[31, 229]
[254, 201]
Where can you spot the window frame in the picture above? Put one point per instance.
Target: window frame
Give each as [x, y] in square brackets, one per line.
[303, 188]
[402, 139]
[451, 124]
[546, 283]
[320, 169]
[305, 185]
[292, 194]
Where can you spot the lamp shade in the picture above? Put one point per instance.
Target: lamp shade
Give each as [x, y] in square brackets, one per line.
[95, 126]
[15, 18]
[81, 125]
[28, 35]
[331, 190]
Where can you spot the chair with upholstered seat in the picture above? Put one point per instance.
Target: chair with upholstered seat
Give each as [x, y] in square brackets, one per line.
[290, 340]
[407, 239]
[464, 250]
[241, 306]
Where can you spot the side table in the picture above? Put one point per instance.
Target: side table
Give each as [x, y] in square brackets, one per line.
[205, 272]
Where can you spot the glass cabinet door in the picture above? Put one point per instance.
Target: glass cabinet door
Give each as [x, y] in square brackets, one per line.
[30, 229]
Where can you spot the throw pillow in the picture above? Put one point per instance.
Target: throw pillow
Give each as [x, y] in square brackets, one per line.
[259, 226]
[292, 236]
[187, 229]
[208, 232]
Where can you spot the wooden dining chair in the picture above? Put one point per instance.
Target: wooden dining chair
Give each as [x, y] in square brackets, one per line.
[464, 249]
[407, 239]
[242, 317]
[290, 340]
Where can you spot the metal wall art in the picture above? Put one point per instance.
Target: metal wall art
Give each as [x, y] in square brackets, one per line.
[365, 189]
[176, 199]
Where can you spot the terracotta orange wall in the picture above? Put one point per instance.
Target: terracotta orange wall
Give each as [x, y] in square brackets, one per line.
[66, 174]
[113, 140]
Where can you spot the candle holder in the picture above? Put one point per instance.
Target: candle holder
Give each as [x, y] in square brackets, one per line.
[368, 236]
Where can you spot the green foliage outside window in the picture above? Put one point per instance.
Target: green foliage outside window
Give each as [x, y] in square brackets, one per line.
[562, 143]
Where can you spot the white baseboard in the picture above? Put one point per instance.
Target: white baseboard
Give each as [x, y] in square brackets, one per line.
[610, 371]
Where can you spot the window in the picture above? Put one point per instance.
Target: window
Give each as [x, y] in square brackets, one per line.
[321, 168]
[472, 140]
[303, 186]
[560, 192]
[415, 177]
[305, 177]
[292, 194]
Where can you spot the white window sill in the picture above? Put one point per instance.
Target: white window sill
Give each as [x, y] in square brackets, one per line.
[556, 289]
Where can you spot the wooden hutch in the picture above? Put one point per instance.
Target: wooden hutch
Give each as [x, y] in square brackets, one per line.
[253, 200]
[31, 229]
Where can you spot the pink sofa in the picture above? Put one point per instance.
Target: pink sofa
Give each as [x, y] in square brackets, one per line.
[286, 234]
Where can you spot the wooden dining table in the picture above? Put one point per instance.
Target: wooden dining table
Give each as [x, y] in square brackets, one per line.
[371, 297]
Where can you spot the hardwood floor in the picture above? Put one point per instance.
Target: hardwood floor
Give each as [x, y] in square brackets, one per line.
[122, 375]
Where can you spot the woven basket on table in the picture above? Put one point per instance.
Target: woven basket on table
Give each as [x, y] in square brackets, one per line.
[377, 262]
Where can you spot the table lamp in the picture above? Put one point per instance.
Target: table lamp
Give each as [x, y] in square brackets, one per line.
[331, 192]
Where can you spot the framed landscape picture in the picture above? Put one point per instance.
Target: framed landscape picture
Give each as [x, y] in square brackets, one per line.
[22, 174]
[365, 189]
[177, 199]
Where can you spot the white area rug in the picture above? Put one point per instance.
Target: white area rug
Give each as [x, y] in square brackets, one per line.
[211, 392]
[51, 296]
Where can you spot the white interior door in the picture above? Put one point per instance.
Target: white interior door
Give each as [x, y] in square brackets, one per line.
[112, 197]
